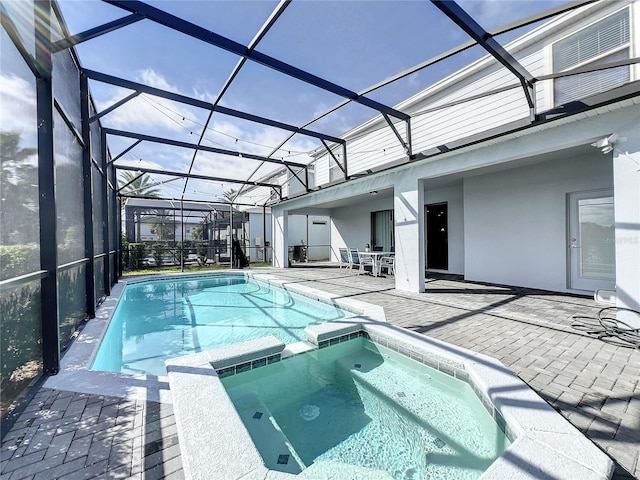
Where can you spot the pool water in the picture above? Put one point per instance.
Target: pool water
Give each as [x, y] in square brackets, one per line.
[359, 405]
[162, 319]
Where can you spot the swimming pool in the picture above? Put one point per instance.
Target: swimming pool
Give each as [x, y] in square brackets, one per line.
[362, 405]
[160, 319]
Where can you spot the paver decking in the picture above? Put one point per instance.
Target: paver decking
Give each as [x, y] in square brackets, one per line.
[594, 384]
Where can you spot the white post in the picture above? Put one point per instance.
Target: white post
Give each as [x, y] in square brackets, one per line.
[408, 207]
[280, 225]
[626, 184]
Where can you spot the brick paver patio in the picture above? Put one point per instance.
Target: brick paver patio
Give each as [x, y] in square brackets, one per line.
[594, 384]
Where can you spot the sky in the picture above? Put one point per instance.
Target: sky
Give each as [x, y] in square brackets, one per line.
[354, 44]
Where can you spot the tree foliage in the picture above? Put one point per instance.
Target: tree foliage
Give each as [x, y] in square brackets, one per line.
[137, 185]
[134, 184]
[197, 233]
[162, 225]
[228, 196]
[19, 184]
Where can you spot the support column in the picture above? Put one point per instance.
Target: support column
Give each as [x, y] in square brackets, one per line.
[88, 202]
[279, 228]
[119, 222]
[105, 215]
[113, 242]
[408, 204]
[46, 188]
[626, 184]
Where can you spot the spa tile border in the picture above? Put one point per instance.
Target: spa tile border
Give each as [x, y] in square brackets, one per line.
[246, 366]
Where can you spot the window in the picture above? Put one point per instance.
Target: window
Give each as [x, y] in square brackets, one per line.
[603, 42]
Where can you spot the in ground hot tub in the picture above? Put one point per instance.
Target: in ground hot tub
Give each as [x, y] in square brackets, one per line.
[359, 405]
[368, 401]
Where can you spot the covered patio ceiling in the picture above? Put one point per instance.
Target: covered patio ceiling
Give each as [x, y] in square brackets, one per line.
[210, 96]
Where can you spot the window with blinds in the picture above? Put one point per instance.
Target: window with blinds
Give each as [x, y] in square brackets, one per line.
[601, 43]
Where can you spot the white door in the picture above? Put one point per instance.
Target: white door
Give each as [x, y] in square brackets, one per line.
[591, 240]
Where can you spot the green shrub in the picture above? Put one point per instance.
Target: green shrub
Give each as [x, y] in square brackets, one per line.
[125, 251]
[137, 252]
[17, 260]
[158, 252]
[202, 252]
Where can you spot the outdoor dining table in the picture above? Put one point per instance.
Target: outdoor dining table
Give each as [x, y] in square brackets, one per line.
[375, 258]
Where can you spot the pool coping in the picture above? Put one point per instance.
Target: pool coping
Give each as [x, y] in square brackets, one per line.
[75, 374]
[543, 443]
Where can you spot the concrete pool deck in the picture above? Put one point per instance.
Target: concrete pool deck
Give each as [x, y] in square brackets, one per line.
[61, 434]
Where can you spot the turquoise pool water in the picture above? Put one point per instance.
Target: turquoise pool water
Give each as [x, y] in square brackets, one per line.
[162, 319]
[357, 404]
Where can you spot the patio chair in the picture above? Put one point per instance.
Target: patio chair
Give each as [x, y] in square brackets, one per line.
[344, 257]
[364, 261]
[388, 263]
[353, 258]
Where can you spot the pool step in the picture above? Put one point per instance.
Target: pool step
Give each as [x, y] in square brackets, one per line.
[275, 448]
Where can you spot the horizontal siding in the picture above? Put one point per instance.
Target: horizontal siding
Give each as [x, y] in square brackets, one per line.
[322, 169]
[380, 146]
[257, 195]
[444, 126]
[375, 149]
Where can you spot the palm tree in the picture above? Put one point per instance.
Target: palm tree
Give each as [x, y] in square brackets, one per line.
[135, 185]
[162, 225]
[228, 196]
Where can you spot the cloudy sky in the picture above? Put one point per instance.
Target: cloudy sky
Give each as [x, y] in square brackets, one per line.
[354, 44]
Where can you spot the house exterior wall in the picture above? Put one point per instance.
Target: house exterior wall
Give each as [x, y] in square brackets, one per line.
[374, 144]
[626, 166]
[258, 225]
[515, 221]
[317, 237]
[147, 236]
[351, 226]
[511, 212]
[453, 196]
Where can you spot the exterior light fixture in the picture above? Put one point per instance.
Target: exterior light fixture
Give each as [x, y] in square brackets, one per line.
[373, 193]
[606, 144]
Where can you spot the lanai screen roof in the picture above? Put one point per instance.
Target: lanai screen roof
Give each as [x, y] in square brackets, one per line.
[206, 96]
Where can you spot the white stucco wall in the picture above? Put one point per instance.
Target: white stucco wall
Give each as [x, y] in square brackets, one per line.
[626, 161]
[257, 231]
[303, 231]
[515, 220]
[453, 196]
[351, 226]
[408, 204]
[280, 225]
